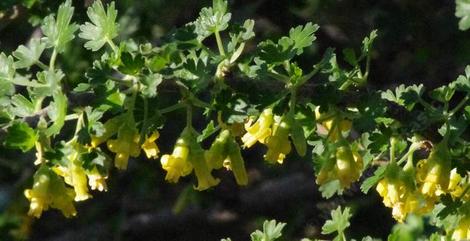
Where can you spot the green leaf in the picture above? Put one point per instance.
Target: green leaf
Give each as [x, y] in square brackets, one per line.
[368, 41]
[212, 19]
[57, 113]
[338, 223]
[27, 56]
[59, 31]
[7, 74]
[208, 131]
[20, 136]
[130, 64]
[443, 93]
[371, 181]
[462, 11]
[303, 36]
[404, 96]
[22, 107]
[103, 27]
[150, 84]
[330, 188]
[271, 231]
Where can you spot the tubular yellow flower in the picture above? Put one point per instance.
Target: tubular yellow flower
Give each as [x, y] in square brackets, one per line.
[278, 143]
[177, 164]
[126, 145]
[217, 153]
[348, 166]
[150, 147]
[96, 181]
[398, 191]
[234, 162]
[433, 173]
[260, 130]
[462, 232]
[49, 190]
[204, 177]
[74, 175]
[38, 195]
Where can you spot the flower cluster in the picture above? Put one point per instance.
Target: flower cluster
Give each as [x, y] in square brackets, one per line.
[49, 190]
[187, 156]
[417, 190]
[274, 132]
[399, 192]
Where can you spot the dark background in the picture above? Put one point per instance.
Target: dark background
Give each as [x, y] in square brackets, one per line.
[419, 42]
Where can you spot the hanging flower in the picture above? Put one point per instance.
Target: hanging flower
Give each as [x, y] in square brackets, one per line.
[96, 181]
[177, 165]
[204, 177]
[398, 191]
[126, 145]
[278, 143]
[150, 147]
[49, 191]
[260, 130]
[462, 232]
[433, 173]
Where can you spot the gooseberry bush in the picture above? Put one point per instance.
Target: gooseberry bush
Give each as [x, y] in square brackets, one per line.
[408, 144]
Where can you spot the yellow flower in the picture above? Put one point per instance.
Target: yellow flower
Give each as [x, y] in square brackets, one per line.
[462, 232]
[278, 143]
[74, 175]
[260, 130]
[97, 181]
[126, 145]
[217, 153]
[177, 164]
[38, 195]
[348, 165]
[433, 173]
[150, 147]
[49, 190]
[204, 177]
[398, 191]
[234, 162]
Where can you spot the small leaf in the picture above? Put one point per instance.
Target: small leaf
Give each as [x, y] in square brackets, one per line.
[27, 56]
[57, 112]
[208, 131]
[59, 31]
[371, 181]
[303, 36]
[103, 26]
[212, 19]
[339, 221]
[20, 136]
[462, 11]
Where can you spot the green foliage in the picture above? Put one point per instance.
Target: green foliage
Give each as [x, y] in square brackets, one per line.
[60, 31]
[103, 27]
[20, 136]
[338, 223]
[462, 11]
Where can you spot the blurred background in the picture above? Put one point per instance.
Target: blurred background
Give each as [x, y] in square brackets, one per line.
[419, 42]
